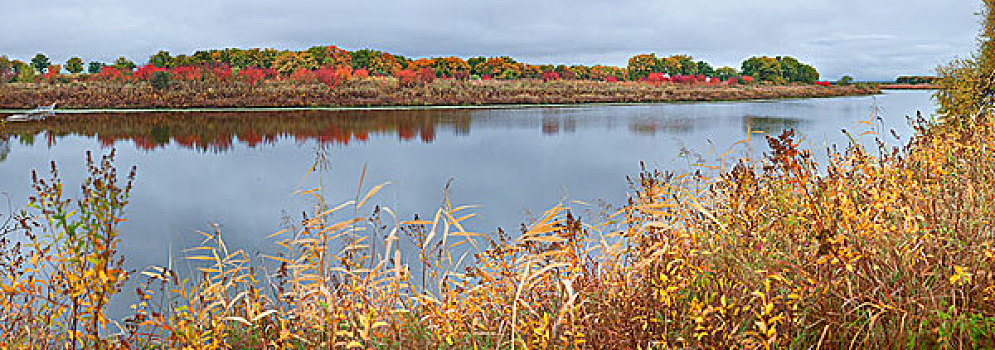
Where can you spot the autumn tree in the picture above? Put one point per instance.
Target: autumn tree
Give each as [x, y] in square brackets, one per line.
[677, 65]
[361, 58]
[531, 71]
[334, 56]
[476, 64]
[422, 63]
[74, 65]
[763, 68]
[124, 64]
[162, 59]
[501, 68]
[453, 67]
[40, 62]
[794, 71]
[705, 69]
[384, 64]
[6, 70]
[607, 73]
[725, 73]
[23, 72]
[640, 66]
[288, 62]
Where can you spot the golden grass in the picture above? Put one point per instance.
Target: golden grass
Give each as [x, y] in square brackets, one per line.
[880, 248]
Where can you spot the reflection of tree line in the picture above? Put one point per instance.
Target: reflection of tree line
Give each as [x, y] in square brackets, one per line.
[4, 147]
[219, 131]
[770, 125]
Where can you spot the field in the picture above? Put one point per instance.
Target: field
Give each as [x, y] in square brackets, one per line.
[387, 91]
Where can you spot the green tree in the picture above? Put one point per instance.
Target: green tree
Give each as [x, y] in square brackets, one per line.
[476, 64]
[763, 68]
[94, 67]
[794, 71]
[74, 65]
[361, 58]
[160, 81]
[161, 59]
[845, 80]
[705, 69]
[24, 72]
[677, 65]
[40, 63]
[124, 64]
[725, 73]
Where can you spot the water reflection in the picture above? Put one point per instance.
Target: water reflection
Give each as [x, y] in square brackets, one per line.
[218, 132]
[771, 125]
[4, 147]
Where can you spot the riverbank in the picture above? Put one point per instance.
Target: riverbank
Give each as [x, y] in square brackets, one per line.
[374, 92]
[908, 86]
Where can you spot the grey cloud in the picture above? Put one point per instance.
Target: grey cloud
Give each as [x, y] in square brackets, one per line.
[872, 40]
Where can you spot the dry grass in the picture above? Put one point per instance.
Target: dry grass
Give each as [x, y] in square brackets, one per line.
[880, 248]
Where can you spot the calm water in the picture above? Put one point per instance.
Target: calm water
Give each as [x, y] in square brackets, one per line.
[240, 170]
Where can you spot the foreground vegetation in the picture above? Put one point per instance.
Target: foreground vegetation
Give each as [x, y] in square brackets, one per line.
[889, 247]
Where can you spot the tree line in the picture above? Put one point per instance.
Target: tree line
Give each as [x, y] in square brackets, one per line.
[780, 69]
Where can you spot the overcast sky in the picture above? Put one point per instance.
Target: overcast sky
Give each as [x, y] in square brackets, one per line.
[869, 39]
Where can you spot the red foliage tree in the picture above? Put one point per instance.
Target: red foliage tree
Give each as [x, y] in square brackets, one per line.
[407, 78]
[108, 73]
[251, 75]
[188, 73]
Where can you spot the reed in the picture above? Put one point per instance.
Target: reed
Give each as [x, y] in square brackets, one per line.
[886, 247]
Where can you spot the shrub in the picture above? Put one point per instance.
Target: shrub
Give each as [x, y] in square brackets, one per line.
[656, 79]
[145, 72]
[332, 77]
[109, 73]
[251, 75]
[160, 80]
[407, 78]
[188, 73]
[361, 73]
[550, 76]
[222, 73]
[303, 76]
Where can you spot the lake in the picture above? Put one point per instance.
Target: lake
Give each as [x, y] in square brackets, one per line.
[240, 170]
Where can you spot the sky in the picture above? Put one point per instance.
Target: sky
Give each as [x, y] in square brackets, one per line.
[868, 39]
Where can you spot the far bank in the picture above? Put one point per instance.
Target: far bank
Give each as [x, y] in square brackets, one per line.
[382, 92]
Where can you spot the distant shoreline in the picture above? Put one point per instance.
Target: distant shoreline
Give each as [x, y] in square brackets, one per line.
[379, 94]
[908, 87]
